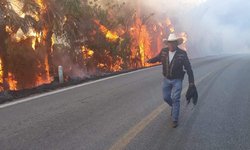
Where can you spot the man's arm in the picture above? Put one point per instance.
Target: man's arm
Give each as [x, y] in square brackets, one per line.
[155, 59]
[189, 70]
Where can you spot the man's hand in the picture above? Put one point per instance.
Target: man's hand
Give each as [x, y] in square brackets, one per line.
[154, 59]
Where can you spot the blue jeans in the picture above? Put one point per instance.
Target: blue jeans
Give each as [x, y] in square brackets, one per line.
[172, 94]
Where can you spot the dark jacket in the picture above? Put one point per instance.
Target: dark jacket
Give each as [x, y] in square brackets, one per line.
[174, 70]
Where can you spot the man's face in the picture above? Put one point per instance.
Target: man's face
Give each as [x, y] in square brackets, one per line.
[172, 45]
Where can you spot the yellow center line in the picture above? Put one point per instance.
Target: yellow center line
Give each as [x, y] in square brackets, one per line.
[135, 130]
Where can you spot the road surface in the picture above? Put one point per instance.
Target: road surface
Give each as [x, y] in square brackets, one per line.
[127, 112]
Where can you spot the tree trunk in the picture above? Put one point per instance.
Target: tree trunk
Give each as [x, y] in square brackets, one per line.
[3, 56]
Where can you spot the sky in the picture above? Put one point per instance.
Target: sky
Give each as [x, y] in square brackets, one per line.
[213, 26]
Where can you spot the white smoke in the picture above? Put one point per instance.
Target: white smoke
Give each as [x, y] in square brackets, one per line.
[212, 26]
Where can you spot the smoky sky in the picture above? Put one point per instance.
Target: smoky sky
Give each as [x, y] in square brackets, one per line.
[213, 26]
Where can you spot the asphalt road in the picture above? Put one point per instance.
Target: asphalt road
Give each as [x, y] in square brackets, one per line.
[127, 112]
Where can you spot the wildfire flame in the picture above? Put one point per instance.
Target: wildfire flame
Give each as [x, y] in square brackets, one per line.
[12, 82]
[47, 79]
[112, 36]
[142, 43]
[87, 53]
[41, 4]
[117, 65]
[8, 29]
[184, 36]
[36, 38]
[20, 36]
[100, 65]
[170, 25]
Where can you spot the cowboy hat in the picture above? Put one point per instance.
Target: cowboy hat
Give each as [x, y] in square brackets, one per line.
[172, 37]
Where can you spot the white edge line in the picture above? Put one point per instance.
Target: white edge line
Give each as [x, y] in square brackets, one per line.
[70, 88]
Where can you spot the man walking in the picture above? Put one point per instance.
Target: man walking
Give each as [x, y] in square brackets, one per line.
[173, 60]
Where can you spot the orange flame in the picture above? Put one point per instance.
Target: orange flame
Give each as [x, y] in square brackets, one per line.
[41, 4]
[87, 53]
[101, 65]
[141, 47]
[112, 36]
[170, 25]
[117, 65]
[8, 29]
[184, 36]
[19, 36]
[53, 39]
[36, 37]
[44, 80]
[12, 82]
[47, 70]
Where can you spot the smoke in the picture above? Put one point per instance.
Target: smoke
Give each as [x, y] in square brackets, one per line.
[61, 57]
[213, 26]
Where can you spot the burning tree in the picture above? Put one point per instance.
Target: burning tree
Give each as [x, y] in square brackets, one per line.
[120, 36]
[10, 22]
[84, 36]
